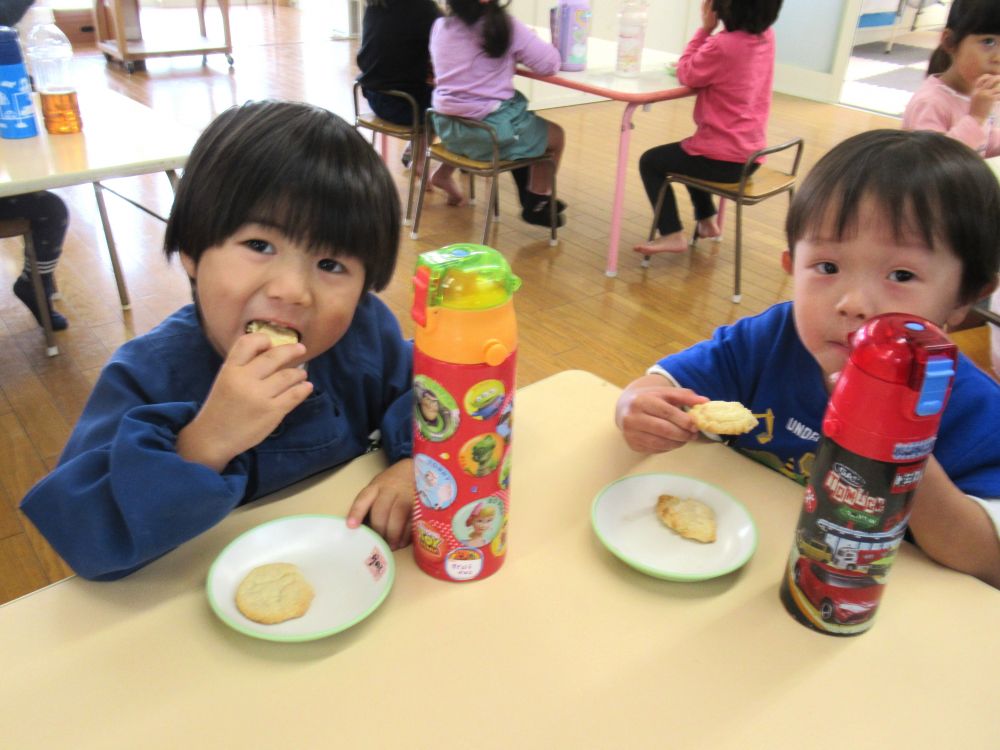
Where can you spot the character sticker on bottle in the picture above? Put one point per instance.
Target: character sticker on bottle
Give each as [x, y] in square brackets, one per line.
[434, 410]
[436, 487]
[483, 400]
[478, 523]
[481, 455]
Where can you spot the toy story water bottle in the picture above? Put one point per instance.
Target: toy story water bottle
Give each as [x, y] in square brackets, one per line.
[463, 386]
[878, 431]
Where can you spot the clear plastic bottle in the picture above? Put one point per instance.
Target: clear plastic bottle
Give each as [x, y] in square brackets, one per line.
[631, 37]
[50, 57]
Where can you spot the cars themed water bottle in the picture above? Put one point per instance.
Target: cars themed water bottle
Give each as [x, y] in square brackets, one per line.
[570, 27]
[878, 431]
[463, 386]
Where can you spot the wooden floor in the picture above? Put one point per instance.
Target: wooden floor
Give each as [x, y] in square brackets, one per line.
[570, 314]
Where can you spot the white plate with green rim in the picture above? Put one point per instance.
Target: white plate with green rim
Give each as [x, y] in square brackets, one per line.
[351, 571]
[624, 518]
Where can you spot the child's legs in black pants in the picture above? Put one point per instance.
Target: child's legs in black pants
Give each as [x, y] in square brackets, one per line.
[49, 219]
[657, 162]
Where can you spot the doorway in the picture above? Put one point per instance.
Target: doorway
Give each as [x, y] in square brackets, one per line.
[892, 45]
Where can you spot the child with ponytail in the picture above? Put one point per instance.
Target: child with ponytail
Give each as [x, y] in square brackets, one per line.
[474, 52]
[962, 88]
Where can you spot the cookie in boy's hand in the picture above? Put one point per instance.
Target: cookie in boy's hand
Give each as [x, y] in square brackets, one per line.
[273, 593]
[692, 519]
[278, 334]
[723, 417]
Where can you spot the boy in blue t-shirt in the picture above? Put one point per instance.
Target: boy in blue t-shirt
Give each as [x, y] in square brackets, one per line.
[888, 221]
[287, 218]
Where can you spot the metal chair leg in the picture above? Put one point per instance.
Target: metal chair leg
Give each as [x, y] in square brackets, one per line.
[553, 212]
[489, 206]
[423, 191]
[739, 249]
[408, 217]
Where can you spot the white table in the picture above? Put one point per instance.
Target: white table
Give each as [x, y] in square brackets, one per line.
[653, 84]
[120, 138]
[564, 647]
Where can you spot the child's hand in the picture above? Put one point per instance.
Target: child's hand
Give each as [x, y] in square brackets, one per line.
[985, 94]
[709, 18]
[252, 393]
[388, 501]
[651, 416]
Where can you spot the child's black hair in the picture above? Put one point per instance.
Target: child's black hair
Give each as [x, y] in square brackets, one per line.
[496, 24]
[965, 17]
[921, 181]
[298, 168]
[751, 16]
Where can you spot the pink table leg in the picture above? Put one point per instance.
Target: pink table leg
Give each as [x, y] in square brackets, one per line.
[616, 208]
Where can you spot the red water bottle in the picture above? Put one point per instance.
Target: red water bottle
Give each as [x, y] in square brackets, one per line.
[465, 351]
[878, 431]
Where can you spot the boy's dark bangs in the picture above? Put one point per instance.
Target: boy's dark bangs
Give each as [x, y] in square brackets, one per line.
[888, 181]
[316, 207]
[921, 183]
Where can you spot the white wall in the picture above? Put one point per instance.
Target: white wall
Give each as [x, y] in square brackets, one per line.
[814, 37]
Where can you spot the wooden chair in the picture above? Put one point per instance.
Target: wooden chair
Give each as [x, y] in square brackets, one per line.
[491, 169]
[384, 128]
[21, 228]
[749, 191]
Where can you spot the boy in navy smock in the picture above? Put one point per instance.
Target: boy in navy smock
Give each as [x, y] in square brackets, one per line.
[285, 219]
[888, 221]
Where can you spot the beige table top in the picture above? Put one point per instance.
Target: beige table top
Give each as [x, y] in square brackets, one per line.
[564, 647]
[120, 138]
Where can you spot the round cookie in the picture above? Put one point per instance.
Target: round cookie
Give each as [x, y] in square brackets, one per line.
[723, 417]
[273, 593]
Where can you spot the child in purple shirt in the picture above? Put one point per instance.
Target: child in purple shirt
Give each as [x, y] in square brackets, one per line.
[474, 52]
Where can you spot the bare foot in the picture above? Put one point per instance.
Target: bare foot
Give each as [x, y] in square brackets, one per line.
[447, 184]
[671, 243]
[708, 228]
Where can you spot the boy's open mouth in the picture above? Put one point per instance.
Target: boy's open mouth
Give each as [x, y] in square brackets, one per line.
[278, 334]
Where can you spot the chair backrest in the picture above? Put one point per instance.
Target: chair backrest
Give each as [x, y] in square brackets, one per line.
[431, 113]
[796, 143]
[373, 121]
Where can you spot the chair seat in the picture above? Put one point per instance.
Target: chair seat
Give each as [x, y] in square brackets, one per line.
[384, 126]
[474, 165]
[14, 228]
[762, 184]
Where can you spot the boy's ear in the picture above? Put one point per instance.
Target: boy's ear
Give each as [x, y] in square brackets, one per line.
[786, 261]
[189, 263]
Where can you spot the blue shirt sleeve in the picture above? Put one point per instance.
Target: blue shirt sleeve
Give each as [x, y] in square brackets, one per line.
[121, 496]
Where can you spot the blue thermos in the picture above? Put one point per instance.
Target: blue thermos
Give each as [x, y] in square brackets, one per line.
[17, 109]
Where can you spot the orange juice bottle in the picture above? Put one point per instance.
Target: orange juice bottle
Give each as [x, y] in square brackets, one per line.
[463, 381]
[50, 56]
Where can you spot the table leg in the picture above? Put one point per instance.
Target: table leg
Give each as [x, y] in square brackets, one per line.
[616, 208]
[112, 251]
[172, 177]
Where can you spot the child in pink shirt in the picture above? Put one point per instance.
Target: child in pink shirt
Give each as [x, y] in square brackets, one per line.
[732, 71]
[962, 88]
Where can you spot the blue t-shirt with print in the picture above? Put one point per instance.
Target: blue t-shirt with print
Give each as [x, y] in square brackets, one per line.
[761, 362]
